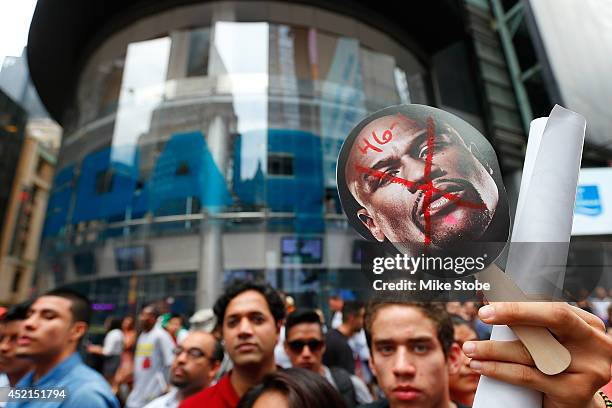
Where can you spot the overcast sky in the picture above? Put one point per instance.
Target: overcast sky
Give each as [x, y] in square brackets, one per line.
[15, 17]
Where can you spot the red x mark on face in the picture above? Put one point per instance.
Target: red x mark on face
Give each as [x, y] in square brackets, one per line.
[427, 186]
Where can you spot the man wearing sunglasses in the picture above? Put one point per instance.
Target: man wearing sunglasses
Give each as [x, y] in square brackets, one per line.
[305, 346]
[197, 361]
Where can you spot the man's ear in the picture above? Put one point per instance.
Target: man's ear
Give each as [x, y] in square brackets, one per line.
[78, 330]
[367, 220]
[279, 324]
[213, 371]
[455, 358]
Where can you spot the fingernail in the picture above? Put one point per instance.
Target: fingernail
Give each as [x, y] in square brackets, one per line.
[486, 312]
[476, 365]
[469, 348]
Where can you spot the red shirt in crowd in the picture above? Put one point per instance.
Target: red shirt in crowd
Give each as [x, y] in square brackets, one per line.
[220, 395]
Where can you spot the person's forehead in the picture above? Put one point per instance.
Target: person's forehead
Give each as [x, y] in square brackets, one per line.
[404, 132]
[55, 303]
[304, 330]
[247, 302]
[465, 333]
[401, 322]
[201, 340]
[147, 312]
[389, 130]
[389, 122]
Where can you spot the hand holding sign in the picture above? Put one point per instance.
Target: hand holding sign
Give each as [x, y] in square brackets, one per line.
[508, 361]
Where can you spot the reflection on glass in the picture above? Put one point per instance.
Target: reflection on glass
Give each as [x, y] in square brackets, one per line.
[232, 120]
[239, 56]
[342, 94]
[142, 90]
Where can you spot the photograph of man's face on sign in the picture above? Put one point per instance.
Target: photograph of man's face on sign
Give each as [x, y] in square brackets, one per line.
[425, 182]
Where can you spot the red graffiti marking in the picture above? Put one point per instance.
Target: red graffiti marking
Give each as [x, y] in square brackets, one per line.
[427, 187]
[386, 138]
[367, 146]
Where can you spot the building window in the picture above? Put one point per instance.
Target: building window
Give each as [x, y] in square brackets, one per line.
[280, 164]
[182, 169]
[17, 280]
[197, 60]
[104, 181]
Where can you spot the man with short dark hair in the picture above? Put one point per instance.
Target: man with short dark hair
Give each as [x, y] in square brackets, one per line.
[412, 349]
[338, 353]
[50, 335]
[250, 315]
[412, 353]
[152, 360]
[197, 361]
[305, 345]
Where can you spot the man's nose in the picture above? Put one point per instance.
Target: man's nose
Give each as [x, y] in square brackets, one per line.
[416, 172]
[306, 352]
[29, 323]
[403, 364]
[180, 359]
[245, 327]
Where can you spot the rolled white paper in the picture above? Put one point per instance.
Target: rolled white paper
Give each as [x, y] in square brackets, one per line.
[544, 214]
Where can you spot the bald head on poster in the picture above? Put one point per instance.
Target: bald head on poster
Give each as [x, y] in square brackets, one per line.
[424, 181]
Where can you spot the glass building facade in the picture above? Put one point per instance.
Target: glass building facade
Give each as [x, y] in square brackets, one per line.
[202, 147]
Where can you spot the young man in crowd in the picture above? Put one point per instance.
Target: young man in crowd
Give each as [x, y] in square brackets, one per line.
[463, 383]
[174, 326]
[197, 360]
[305, 345]
[335, 303]
[412, 347]
[50, 336]
[152, 360]
[412, 353]
[250, 315]
[338, 352]
[12, 366]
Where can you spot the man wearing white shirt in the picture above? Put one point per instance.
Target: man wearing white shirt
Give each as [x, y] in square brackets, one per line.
[152, 360]
[600, 303]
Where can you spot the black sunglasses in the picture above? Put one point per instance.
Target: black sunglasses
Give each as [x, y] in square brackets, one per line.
[298, 345]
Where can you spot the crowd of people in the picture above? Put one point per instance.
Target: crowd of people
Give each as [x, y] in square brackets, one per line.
[255, 348]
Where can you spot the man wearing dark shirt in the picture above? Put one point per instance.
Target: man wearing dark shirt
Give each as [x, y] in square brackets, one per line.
[338, 353]
[250, 316]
